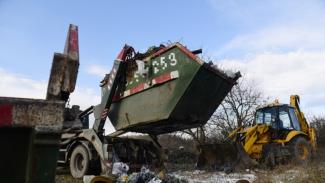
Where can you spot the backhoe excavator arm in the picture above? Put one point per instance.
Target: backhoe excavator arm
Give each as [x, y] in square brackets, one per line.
[294, 101]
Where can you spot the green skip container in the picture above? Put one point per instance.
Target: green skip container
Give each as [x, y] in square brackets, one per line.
[170, 90]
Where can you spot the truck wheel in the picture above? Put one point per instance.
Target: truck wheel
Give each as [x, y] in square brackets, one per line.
[300, 149]
[79, 162]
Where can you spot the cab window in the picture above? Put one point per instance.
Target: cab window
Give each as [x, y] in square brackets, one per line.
[294, 119]
[284, 118]
[266, 116]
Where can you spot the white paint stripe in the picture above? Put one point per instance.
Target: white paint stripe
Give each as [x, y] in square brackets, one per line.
[127, 93]
[174, 74]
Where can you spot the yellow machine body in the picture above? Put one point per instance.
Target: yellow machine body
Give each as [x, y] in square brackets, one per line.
[254, 139]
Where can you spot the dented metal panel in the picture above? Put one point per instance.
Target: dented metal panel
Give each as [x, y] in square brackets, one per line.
[64, 69]
[42, 114]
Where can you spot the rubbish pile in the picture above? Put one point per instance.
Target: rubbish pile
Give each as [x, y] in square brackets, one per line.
[120, 175]
[144, 176]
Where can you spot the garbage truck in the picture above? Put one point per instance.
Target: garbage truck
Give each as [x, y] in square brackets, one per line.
[165, 89]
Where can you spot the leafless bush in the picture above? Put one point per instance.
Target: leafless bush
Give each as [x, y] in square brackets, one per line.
[319, 124]
[237, 109]
[176, 141]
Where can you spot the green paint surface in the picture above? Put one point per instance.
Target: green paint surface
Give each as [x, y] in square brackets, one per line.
[172, 105]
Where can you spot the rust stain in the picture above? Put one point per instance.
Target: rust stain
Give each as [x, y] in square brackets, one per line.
[6, 115]
[32, 112]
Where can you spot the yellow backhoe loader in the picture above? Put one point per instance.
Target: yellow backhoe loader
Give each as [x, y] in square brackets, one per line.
[280, 134]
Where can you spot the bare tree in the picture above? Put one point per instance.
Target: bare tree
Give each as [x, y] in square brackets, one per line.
[237, 109]
[318, 122]
[197, 134]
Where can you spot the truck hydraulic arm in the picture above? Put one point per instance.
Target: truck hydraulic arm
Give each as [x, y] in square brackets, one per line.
[110, 85]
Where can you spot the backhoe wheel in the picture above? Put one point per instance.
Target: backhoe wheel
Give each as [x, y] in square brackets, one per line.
[301, 151]
[79, 162]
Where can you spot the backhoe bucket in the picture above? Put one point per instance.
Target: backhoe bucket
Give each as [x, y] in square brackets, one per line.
[226, 156]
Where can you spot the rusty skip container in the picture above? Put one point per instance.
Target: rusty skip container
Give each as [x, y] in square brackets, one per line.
[170, 90]
[30, 129]
[29, 139]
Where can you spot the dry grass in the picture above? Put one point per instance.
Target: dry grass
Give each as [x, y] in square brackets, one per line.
[313, 172]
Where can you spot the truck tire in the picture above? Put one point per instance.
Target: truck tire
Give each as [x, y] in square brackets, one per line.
[79, 162]
[300, 150]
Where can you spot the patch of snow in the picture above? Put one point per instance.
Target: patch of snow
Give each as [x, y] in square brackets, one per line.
[288, 175]
[212, 177]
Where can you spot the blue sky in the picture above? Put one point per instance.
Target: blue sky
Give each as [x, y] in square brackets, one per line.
[32, 31]
[278, 44]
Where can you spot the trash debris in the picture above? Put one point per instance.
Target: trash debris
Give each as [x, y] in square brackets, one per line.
[120, 168]
[144, 176]
[155, 180]
[229, 73]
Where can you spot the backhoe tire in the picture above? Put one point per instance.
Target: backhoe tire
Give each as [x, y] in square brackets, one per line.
[79, 162]
[300, 150]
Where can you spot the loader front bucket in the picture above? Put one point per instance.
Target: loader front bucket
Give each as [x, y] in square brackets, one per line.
[226, 156]
[217, 156]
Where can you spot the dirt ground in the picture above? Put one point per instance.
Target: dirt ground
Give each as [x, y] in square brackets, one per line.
[67, 179]
[313, 172]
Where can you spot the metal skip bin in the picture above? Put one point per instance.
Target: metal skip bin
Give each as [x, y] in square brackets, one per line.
[30, 136]
[30, 129]
[169, 90]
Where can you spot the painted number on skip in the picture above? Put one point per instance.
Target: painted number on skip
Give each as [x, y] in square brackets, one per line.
[164, 62]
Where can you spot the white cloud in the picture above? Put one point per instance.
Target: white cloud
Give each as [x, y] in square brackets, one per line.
[15, 85]
[276, 38]
[282, 74]
[19, 86]
[280, 46]
[98, 70]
